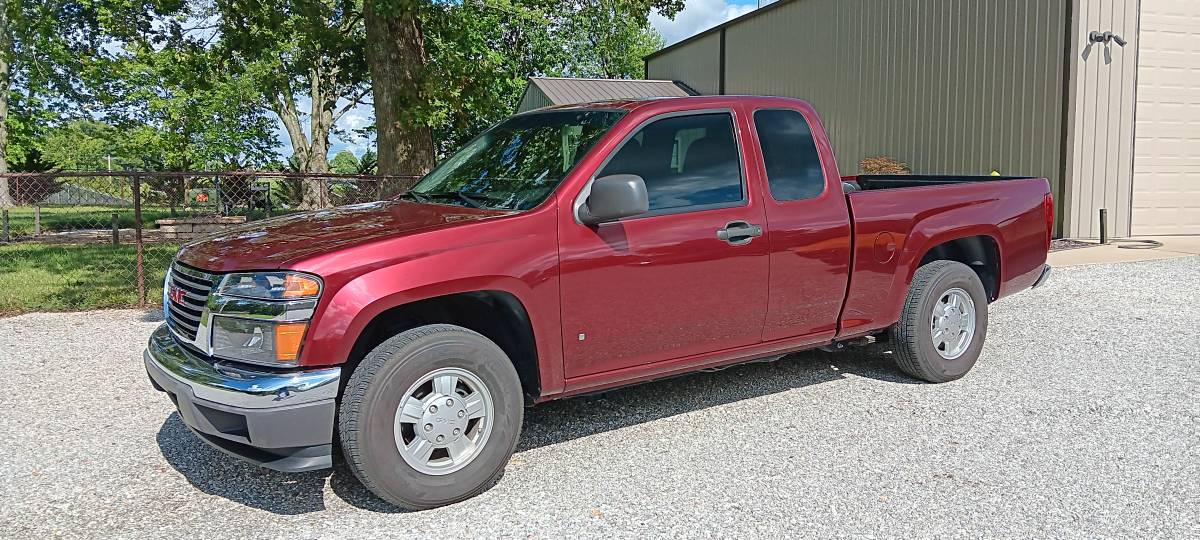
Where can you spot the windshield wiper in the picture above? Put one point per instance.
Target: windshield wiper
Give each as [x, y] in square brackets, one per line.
[416, 197]
[464, 197]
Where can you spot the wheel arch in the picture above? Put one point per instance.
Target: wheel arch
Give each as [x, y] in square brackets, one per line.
[980, 252]
[497, 314]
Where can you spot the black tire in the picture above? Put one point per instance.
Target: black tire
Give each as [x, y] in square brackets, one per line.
[912, 336]
[367, 415]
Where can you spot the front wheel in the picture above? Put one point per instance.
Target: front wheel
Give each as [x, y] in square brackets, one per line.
[431, 416]
[943, 324]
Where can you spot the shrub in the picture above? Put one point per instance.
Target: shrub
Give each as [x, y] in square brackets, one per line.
[883, 165]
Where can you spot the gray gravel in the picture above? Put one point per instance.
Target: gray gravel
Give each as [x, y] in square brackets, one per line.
[1080, 421]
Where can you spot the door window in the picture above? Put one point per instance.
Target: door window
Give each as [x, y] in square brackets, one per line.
[688, 162]
[790, 155]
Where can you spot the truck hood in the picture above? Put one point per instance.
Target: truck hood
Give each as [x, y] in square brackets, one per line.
[272, 243]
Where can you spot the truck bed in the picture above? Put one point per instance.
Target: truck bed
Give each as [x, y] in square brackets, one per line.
[897, 218]
[873, 182]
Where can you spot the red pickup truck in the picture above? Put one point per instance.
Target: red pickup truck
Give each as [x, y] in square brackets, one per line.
[566, 251]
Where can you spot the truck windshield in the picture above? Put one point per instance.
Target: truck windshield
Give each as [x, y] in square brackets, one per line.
[517, 163]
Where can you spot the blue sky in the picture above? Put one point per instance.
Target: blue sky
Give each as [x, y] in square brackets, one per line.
[697, 15]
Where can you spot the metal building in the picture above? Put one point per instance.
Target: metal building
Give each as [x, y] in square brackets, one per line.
[1100, 96]
[546, 91]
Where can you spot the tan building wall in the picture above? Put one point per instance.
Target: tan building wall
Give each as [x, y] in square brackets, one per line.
[1100, 141]
[949, 86]
[1166, 167]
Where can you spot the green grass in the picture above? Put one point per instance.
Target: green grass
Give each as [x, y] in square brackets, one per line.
[66, 218]
[70, 217]
[40, 277]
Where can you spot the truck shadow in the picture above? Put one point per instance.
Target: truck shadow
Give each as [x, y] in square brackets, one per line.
[550, 423]
[560, 421]
[215, 473]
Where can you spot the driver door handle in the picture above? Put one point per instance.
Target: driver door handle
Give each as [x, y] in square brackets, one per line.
[739, 233]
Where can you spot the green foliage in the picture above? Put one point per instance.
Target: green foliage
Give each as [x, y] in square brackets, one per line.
[42, 46]
[84, 145]
[298, 47]
[344, 163]
[368, 164]
[173, 85]
[180, 110]
[611, 37]
[482, 52]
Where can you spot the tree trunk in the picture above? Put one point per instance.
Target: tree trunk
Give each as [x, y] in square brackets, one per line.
[311, 150]
[320, 120]
[316, 190]
[6, 198]
[395, 54]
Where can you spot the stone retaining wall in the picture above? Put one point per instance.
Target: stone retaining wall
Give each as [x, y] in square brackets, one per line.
[195, 227]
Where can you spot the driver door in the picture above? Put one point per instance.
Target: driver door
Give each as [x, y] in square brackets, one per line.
[667, 284]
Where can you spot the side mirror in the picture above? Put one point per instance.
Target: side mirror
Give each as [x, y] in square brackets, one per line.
[614, 197]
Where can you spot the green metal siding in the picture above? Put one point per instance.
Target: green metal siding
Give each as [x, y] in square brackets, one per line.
[948, 86]
[697, 63]
[533, 98]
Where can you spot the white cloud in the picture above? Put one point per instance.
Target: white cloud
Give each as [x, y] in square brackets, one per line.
[697, 16]
[354, 119]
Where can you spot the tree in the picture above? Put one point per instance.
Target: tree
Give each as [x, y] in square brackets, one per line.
[294, 47]
[396, 56]
[84, 145]
[368, 164]
[344, 163]
[174, 102]
[43, 46]
[444, 70]
[610, 43]
[187, 112]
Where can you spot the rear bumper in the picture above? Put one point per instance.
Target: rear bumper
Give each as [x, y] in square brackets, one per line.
[1041, 280]
[281, 420]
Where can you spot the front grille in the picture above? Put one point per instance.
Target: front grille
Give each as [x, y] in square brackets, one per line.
[187, 297]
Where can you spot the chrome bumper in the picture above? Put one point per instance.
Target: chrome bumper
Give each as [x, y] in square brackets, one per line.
[1041, 280]
[281, 420]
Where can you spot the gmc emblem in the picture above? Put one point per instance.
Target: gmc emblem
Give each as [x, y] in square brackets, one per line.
[175, 294]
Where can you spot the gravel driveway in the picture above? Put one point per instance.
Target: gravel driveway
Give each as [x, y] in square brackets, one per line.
[1081, 420]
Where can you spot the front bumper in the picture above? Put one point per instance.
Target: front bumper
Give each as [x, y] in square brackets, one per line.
[282, 420]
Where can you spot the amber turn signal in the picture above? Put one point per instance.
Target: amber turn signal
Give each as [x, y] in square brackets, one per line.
[298, 286]
[288, 337]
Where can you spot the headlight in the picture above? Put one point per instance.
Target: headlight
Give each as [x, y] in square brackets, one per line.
[262, 317]
[258, 342]
[270, 285]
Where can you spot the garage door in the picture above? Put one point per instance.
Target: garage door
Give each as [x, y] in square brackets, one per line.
[1166, 166]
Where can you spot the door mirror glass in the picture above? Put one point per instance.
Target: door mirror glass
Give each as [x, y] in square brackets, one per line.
[614, 197]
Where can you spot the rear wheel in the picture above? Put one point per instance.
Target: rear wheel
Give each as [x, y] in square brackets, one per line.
[431, 416]
[943, 324]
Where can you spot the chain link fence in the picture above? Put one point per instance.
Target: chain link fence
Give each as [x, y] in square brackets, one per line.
[89, 240]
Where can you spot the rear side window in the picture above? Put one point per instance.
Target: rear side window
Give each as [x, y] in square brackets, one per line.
[686, 161]
[790, 155]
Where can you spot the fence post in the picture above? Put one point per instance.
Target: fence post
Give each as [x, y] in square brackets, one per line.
[116, 230]
[4, 237]
[37, 221]
[137, 240]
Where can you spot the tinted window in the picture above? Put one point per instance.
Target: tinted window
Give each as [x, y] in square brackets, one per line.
[685, 161]
[790, 155]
